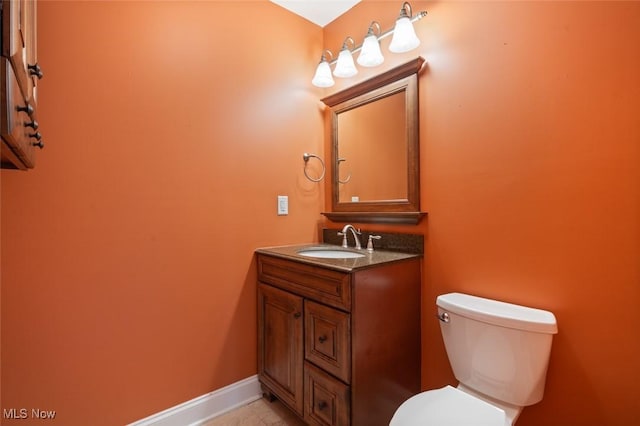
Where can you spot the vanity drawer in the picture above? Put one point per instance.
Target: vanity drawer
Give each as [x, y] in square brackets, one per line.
[327, 341]
[320, 284]
[327, 399]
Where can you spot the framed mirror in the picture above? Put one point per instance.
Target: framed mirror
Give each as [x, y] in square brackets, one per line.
[375, 149]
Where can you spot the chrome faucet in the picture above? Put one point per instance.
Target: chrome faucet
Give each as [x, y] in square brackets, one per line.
[354, 231]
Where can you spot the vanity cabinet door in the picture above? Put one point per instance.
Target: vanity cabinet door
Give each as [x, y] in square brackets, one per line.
[280, 343]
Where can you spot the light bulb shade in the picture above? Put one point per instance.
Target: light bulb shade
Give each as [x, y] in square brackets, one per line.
[370, 54]
[345, 67]
[323, 78]
[404, 36]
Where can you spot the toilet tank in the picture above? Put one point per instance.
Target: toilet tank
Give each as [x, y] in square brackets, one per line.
[498, 349]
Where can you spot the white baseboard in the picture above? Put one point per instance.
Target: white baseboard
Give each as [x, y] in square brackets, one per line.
[205, 407]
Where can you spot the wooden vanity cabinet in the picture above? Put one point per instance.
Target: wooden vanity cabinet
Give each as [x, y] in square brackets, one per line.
[339, 347]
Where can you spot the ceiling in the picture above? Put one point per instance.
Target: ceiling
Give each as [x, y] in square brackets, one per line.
[320, 12]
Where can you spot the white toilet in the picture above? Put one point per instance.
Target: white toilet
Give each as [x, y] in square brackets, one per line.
[499, 353]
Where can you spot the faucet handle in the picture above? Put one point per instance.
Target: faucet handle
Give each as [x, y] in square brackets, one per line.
[344, 239]
[370, 242]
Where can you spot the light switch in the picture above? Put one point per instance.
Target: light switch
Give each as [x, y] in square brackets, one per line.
[283, 205]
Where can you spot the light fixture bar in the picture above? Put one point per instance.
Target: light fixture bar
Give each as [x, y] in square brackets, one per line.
[416, 17]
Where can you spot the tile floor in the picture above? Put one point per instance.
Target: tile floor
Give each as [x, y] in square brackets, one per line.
[258, 413]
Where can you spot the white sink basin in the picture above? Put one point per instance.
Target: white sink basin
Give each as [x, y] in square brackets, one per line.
[329, 253]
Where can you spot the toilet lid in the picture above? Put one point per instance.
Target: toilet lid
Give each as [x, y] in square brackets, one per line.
[447, 407]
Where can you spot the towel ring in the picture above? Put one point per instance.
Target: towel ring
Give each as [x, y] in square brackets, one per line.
[306, 158]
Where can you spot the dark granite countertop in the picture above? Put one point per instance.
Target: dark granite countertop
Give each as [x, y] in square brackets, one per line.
[369, 260]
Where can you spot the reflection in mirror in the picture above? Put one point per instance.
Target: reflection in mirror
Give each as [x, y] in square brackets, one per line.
[376, 169]
[372, 155]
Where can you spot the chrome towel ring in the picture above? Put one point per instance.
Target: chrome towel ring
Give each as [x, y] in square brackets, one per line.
[306, 158]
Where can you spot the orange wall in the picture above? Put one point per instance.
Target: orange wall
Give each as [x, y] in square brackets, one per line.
[530, 164]
[127, 277]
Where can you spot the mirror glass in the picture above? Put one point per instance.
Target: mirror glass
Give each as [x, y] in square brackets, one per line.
[375, 155]
[372, 153]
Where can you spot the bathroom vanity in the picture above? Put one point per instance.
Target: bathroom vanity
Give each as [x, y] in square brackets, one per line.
[339, 338]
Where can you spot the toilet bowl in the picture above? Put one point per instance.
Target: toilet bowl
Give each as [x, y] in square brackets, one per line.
[499, 353]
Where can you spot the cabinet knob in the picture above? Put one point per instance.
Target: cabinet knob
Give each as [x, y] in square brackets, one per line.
[39, 144]
[33, 124]
[27, 108]
[322, 405]
[37, 136]
[35, 70]
[322, 339]
[297, 315]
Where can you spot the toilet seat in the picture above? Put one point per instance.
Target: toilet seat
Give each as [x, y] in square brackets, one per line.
[448, 406]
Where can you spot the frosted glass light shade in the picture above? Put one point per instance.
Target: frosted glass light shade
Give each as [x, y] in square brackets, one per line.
[370, 54]
[345, 67]
[404, 36]
[323, 78]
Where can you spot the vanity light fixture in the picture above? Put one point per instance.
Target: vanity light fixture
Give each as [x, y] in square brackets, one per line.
[404, 39]
[345, 67]
[323, 78]
[370, 54]
[404, 35]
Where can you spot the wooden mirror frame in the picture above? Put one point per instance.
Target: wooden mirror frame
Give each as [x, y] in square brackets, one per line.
[401, 78]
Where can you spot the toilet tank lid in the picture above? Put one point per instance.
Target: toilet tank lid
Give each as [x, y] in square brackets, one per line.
[499, 313]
